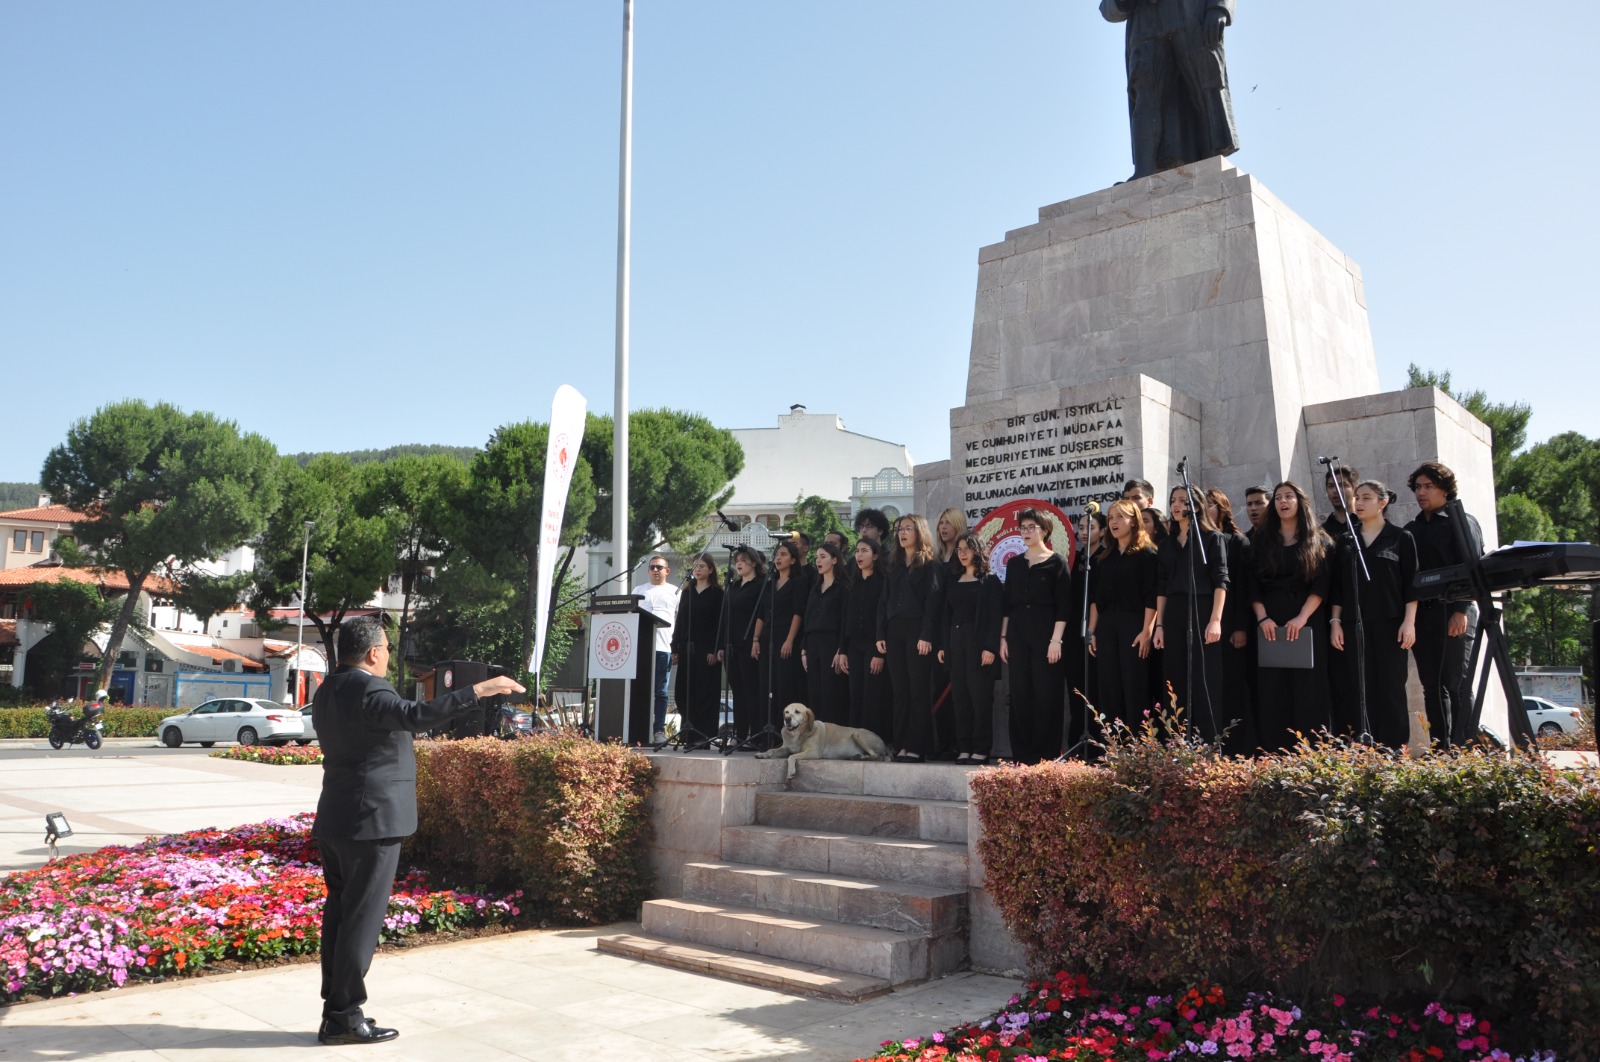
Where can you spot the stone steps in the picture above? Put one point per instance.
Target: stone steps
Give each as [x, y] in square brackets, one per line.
[882, 953]
[877, 858]
[905, 907]
[852, 879]
[865, 816]
[803, 979]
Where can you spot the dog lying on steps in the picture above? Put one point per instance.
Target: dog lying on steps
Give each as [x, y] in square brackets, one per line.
[806, 739]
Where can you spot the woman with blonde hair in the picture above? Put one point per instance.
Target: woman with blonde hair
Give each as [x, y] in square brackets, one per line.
[951, 526]
[908, 617]
[1122, 615]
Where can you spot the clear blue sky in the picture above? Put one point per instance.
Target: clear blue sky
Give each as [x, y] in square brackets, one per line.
[360, 224]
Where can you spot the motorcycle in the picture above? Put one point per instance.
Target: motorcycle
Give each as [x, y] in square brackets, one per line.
[68, 729]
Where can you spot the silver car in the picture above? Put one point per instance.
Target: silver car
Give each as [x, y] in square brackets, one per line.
[245, 720]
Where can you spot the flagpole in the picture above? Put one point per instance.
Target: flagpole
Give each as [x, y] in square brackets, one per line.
[619, 465]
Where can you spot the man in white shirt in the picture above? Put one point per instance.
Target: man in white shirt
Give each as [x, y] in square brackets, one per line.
[661, 601]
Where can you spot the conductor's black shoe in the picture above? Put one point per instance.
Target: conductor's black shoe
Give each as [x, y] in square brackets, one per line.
[363, 1032]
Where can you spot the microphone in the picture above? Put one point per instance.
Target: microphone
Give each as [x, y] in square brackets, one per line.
[729, 524]
[1181, 463]
[1327, 460]
[1092, 508]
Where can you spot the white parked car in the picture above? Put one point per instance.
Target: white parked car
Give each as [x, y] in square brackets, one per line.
[240, 719]
[1548, 718]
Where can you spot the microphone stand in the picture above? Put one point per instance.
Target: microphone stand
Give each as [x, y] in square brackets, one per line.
[1197, 537]
[682, 740]
[1089, 512]
[1352, 529]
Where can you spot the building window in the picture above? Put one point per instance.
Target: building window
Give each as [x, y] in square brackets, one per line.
[127, 660]
[38, 542]
[152, 663]
[19, 541]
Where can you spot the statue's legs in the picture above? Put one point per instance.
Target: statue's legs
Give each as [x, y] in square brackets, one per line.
[1150, 64]
[1204, 71]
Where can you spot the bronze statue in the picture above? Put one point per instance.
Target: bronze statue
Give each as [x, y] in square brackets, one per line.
[1178, 102]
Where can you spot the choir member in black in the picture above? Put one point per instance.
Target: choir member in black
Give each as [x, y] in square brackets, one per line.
[1445, 629]
[951, 525]
[1190, 600]
[1341, 666]
[908, 619]
[1291, 569]
[1038, 607]
[1257, 500]
[780, 628]
[1122, 616]
[871, 523]
[1082, 670]
[870, 703]
[973, 603]
[908, 626]
[1155, 526]
[841, 540]
[694, 649]
[1238, 624]
[741, 651]
[1140, 492]
[827, 685]
[1388, 603]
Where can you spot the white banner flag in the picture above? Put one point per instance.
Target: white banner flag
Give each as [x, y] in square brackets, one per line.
[566, 434]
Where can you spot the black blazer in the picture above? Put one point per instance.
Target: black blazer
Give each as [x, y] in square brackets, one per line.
[369, 770]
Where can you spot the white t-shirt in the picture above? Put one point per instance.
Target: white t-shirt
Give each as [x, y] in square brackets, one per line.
[661, 602]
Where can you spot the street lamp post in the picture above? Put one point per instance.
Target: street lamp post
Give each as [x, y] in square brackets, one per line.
[300, 628]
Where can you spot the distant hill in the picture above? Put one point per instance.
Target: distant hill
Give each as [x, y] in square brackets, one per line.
[361, 457]
[18, 496]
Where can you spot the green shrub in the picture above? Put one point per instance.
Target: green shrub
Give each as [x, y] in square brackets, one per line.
[117, 722]
[560, 816]
[1332, 869]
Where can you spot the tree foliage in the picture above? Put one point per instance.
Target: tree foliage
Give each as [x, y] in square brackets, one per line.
[18, 496]
[74, 611]
[816, 516]
[160, 485]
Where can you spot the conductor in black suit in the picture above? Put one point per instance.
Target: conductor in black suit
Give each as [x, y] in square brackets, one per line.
[368, 806]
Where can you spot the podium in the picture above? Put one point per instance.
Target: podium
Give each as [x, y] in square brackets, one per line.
[622, 660]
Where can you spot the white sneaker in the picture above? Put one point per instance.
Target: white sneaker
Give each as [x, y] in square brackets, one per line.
[661, 735]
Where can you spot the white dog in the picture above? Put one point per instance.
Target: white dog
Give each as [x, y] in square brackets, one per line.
[806, 739]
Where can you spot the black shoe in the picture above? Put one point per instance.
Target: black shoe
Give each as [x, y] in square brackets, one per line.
[363, 1032]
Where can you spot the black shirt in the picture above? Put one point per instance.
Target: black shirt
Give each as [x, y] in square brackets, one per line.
[1042, 589]
[699, 612]
[1392, 560]
[825, 607]
[739, 610]
[1124, 583]
[787, 603]
[1177, 561]
[975, 605]
[861, 615]
[1435, 536]
[1282, 593]
[911, 594]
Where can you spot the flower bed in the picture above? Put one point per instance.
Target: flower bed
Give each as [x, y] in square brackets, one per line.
[278, 755]
[173, 905]
[1063, 1018]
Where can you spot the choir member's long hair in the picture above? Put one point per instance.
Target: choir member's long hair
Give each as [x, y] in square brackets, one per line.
[877, 556]
[1198, 517]
[980, 556]
[1310, 550]
[796, 558]
[921, 552]
[1226, 524]
[841, 570]
[758, 563]
[1140, 539]
[956, 518]
[1156, 528]
[710, 563]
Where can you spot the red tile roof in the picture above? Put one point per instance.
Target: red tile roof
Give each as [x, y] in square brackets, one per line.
[23, 577]
[47, 514]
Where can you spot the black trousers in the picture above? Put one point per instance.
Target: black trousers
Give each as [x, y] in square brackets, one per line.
[1182, 659]
[699, 690]
[971, 707]
[1442, 667]
[1037, 688]
[870, 703]
[359, 876]
[1294, 699]
[1238, 693]
[911, 680]
[1124, 688]
[1385, 666]
[746, 687]
[827, 691]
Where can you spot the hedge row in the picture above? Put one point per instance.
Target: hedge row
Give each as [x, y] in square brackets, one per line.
[118, 722]
[555, 814]
[1465, 877]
